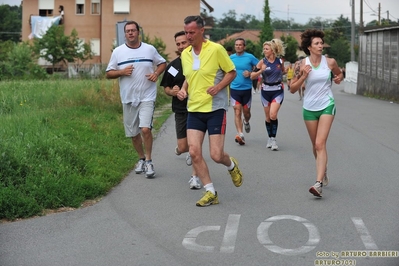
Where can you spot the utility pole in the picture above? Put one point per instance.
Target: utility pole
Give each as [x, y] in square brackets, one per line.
[353, 32]
[379, 14]
[361, 17]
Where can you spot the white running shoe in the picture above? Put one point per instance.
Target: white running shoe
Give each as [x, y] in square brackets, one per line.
[149, 169]
[194, 182]
[274, 146]
[177, 152]
[140, 167]
[269, 143]
[189, 162]
[247, 126]
[316, 189]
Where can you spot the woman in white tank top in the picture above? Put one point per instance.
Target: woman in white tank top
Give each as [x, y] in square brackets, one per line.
[318, 72]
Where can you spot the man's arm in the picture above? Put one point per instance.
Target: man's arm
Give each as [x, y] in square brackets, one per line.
[113, 74]
[158, 71]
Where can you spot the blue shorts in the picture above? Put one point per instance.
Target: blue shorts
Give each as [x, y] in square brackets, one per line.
[242, 97]
[214, 122]
[267, 97]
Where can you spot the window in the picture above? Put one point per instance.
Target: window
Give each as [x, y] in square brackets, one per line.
[46, 8]
[80, 7]
[122, 6]
[95, 46]
[45, 12]
[95, 7]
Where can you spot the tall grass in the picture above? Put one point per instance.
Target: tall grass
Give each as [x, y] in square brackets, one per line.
[61, 142]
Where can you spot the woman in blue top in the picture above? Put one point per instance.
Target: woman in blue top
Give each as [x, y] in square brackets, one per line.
[271, 68]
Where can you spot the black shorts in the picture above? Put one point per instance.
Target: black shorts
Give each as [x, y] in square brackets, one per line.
[242, 97]
[214, 122]
[181, 125]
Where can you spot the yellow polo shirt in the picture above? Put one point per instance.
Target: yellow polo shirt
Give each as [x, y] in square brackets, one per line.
[204, 71]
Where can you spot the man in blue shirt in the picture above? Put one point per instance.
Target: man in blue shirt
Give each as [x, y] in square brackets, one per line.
[241, 88]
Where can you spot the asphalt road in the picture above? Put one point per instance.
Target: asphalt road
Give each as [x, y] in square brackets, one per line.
[271, 220]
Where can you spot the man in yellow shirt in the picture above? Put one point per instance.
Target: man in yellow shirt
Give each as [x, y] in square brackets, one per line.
[208, 70]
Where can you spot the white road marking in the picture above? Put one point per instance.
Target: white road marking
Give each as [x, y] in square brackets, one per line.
[191, 236]
[230, 234]
[364, 233]
[264, 239]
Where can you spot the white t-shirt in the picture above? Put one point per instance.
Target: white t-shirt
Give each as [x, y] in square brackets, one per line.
[318, 94]
[136, 88]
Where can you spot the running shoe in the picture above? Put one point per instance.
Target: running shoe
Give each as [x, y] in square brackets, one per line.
[316, 189]
[189, 162]
[194, 182]
[208, 199]
[149, 169]
[177, 151]
[325, 179]
[140, 167]
[235, 173]
[269, 143]
[247, 127]
[274, 146]
[240, 139]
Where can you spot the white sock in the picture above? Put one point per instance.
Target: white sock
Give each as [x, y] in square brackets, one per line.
[231, 166]
[209, 187]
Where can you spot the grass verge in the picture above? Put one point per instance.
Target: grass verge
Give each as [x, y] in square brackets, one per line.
[62, 143]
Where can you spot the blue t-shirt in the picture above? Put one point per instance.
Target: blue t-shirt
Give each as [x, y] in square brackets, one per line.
[243, 62]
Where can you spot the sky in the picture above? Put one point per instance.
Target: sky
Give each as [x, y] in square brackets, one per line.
[300, 11]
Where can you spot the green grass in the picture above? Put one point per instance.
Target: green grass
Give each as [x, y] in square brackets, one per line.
[62, 142]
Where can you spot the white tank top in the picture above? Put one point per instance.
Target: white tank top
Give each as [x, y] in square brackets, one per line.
[318, 94]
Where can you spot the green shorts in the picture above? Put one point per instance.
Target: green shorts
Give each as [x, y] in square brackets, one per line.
[315, 115]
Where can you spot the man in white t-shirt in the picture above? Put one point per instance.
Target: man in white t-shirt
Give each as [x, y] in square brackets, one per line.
[133, 63]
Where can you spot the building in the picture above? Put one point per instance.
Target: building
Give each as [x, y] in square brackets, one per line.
[96, 20]
[253, 35]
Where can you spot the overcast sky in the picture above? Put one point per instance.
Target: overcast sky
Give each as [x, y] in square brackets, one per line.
[300, 11]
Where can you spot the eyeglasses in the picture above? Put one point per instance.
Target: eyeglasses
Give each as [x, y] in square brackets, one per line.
[132, 31]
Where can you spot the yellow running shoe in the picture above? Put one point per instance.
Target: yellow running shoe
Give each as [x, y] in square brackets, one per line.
[208, 199]
[236, 174]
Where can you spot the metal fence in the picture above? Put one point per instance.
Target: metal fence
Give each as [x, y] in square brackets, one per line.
[86, 70]
[378, 74]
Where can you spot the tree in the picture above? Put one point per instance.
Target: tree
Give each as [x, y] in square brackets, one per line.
[19, 64]
[56, 47]
[10, 23]
[266, 33]
[5, 48]
[340, 51]
[291, 47]
[82, 51]
[158, 43]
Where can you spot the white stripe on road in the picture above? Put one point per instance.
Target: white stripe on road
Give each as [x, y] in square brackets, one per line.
[364, 233]
[230, 234]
